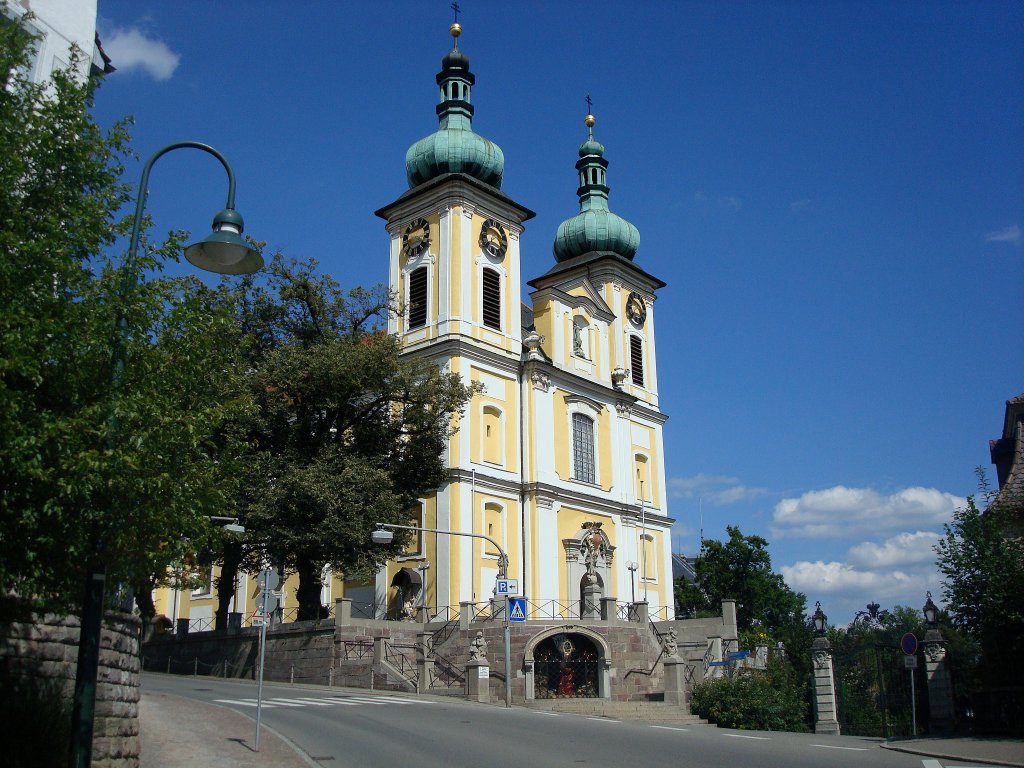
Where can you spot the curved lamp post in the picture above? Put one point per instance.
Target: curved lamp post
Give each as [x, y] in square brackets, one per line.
[382, 536]
[224, 252]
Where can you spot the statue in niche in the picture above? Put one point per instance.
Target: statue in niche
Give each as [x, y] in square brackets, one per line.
[478, 648]
[592, 549]
[577, 341]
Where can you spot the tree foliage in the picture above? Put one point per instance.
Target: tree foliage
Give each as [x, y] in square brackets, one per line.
[346, 433]
[89, 471]
[773, 699]
[741, 569]
[983, 569]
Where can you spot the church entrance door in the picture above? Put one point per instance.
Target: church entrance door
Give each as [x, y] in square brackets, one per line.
[566, 667]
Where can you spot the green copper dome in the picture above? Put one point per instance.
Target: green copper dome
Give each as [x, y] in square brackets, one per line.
[594, 228]
[454, 147]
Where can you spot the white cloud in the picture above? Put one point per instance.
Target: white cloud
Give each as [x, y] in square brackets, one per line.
[131, 49]
[1012, 234]
[717, 490]
[722, 202]
[840, 511]
[904, 549]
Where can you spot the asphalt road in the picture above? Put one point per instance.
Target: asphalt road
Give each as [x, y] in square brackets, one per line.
[346, 727]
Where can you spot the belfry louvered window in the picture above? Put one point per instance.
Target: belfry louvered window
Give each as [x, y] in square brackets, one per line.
[636, 360]
[492, 299]
[418, 297]
[583, 448]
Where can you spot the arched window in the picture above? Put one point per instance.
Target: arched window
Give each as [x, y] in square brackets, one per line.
[418, 297]
[648, 559]
[493, 439]
[636, 360]
[493, 527]
[643, 477]
[492, 298]
[583, 448]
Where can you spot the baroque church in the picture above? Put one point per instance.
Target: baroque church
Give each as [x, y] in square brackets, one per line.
[564, 437]
[562, 443]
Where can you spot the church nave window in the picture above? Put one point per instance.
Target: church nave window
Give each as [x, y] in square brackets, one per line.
[418, 297]
[583, 468]
[492, 298]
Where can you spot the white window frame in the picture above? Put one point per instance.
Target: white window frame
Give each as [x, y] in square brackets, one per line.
[482, 458]
[502, 526]
[423, 260]
[591, 409]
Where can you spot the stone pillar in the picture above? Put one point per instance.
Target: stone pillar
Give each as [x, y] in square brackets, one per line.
[424, 664]
[675, 681]
[715, 646]
[378, 651]
[638, 612]
[342, 612]
[181, 629]
[234, 623]
[465, 614]
[609, 609]
[591, 600]
[478, 680]
[940, 687]
[825, 715]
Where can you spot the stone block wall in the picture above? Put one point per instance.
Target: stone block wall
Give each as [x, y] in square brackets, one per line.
[45, 648]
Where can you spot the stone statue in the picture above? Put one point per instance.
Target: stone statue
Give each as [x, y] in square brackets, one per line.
[478, 648]
[577, 341]
[592, 548]
[669, 643]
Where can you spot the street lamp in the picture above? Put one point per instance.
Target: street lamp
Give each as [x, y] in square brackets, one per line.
[384, 536]
[631, 566]
[819, 619]
[224, 252]
[931, 611]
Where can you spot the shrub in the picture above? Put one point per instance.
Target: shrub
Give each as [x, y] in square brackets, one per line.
[769, 700]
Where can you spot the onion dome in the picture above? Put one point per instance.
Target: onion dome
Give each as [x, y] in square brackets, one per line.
[594, 228]
[454, 147]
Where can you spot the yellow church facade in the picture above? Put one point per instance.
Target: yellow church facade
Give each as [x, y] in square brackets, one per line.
[563, 435]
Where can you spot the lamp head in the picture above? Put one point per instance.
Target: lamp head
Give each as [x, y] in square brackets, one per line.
[820, 620]
[931, 611]
[224, 251]
[380, 536]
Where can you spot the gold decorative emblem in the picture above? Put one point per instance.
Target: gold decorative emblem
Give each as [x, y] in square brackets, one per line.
[636, 309]
[567, 648]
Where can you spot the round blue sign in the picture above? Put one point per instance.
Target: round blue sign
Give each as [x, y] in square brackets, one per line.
[908, 643]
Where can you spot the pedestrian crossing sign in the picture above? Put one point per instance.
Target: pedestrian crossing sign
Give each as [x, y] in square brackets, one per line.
[517, 609]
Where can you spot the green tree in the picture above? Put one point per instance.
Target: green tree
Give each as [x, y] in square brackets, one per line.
[741, 569]
[87, 470]
[983, 586]
[347, 433]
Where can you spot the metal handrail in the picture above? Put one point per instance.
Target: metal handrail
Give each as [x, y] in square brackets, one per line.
[361, 648]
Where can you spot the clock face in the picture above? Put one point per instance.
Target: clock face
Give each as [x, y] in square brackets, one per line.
[636, 309]
[493, 239]
[416, 238]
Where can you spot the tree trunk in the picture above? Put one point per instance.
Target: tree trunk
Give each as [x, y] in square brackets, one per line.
[226, 582]
[147, 609]
[308, 593]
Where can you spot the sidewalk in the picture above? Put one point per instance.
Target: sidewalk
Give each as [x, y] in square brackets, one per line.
[181, 733]
[967, 750]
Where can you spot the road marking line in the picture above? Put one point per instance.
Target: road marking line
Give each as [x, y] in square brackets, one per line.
[346, 702]
[604, 719]
[410, 701]
[286, 703]
[550, 714]
[852, 749]
[742, 736]
[242, 703]
[369, 701]
[669, 728]
[931, 764]
[314, 702]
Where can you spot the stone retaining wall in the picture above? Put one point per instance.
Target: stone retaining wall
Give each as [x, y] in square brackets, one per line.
[45, 648]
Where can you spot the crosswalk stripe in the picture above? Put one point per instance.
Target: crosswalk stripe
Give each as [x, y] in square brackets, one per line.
[369, 701]
[346, 702]
[286, 703]
[314, 702]
[410, 701]
[243, 703]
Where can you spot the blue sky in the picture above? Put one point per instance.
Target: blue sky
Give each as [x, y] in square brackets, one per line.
[834, 193]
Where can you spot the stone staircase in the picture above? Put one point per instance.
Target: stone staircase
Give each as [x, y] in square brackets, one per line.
[657, 712]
